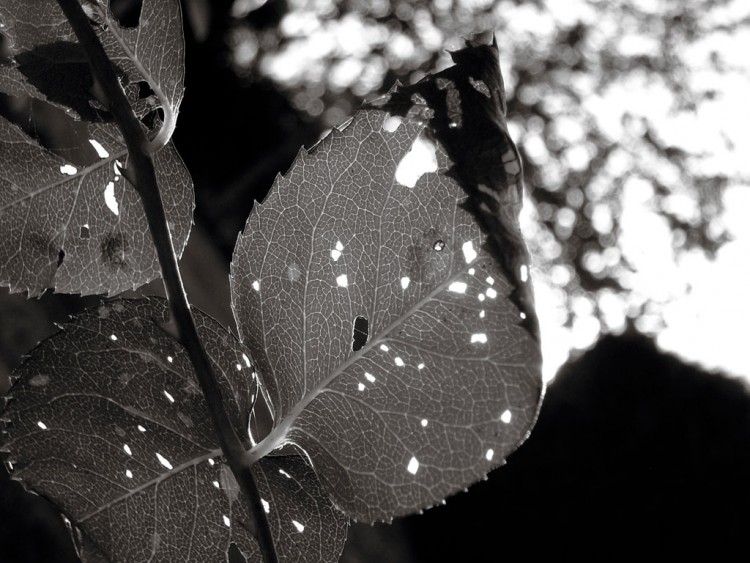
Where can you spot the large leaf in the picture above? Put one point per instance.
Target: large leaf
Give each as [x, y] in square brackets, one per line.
[107, 420]
[81, 229]
[447, 381]
[49, 64]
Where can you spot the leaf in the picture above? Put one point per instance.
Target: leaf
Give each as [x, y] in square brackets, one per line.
[447, 382]
[73, 223]
[49, 64]
[81, 229]
[108, 421]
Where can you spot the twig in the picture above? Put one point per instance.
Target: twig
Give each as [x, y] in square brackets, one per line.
[143, 177]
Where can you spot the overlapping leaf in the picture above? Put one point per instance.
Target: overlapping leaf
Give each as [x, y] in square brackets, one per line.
[108, 421]
[48, 63]
[448, 382]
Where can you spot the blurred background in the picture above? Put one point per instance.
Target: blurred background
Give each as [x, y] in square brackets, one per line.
[632, 119]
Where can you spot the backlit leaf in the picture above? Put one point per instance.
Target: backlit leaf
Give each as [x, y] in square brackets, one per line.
[49, 64]
[81, 228]
[68, 218]
[108, 421]
[383, 322]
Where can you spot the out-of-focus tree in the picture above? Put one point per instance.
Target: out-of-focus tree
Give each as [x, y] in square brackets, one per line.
[616, 105]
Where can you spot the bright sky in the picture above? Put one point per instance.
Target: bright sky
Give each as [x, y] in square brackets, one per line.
[703, 304]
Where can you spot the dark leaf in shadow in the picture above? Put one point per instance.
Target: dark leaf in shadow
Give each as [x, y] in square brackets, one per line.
[62, 73]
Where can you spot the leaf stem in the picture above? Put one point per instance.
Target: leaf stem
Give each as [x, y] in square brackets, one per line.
[143, 176]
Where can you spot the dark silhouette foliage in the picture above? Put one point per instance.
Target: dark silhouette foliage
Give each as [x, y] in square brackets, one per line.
[636, 455]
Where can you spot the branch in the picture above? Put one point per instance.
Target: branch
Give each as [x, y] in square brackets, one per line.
[143, 177]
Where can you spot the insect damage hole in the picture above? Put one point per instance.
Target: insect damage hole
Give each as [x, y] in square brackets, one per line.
[110, 200]
[360, 333]
[418, 161]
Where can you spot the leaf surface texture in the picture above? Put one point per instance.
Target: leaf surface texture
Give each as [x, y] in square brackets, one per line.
[108, 421]
[448, 381]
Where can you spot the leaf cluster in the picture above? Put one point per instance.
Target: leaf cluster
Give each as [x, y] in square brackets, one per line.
[386, 327]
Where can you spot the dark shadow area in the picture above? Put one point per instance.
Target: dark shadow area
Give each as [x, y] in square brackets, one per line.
[636, 455]
[31, 531]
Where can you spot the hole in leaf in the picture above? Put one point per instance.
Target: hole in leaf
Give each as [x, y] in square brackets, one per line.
[413, 466]
[391, 123]
[439, 245]
[524, 271]
[85, 232]
[234, 555]
[110, 199]
[418, 161]
[99, 148]
[458, 287]
[360, 333]
[164, 461]
[469, 253]
[60, 257]
[39, 380]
